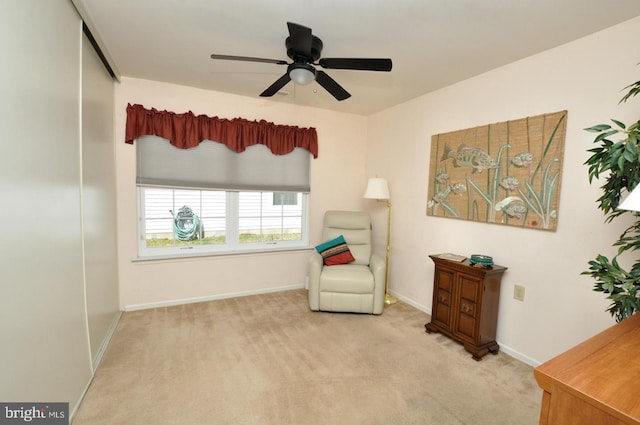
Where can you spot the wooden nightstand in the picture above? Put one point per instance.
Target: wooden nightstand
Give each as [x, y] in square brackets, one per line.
[465, 304]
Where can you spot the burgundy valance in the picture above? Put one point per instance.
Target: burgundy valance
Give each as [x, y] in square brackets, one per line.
[187, 130]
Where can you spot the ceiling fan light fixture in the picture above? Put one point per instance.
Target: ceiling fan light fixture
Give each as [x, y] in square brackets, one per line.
[302, 74]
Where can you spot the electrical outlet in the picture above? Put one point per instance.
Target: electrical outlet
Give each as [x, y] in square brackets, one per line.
[518, 292]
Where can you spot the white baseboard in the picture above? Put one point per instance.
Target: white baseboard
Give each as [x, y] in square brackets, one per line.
[504, 348]
[411, 302]
[96, 362]
[74, 409]
[105, 342]
[519, 356]
[168, 303]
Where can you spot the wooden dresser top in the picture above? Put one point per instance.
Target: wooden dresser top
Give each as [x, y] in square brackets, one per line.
[604, 370]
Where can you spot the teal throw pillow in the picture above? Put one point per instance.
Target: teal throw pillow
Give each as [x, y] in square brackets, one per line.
[335, 252]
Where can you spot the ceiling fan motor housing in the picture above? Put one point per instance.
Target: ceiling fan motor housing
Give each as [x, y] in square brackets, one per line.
[316, 50]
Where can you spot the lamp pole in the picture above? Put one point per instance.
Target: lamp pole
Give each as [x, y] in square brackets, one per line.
[388, 298]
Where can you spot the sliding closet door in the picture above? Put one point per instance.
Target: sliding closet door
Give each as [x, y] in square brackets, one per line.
[98, 201]
[44, 348]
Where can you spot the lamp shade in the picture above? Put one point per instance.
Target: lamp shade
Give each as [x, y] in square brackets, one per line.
[302, 74]
[377, 188]
[631, 202]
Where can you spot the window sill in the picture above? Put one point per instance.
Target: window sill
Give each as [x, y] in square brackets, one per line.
[211, 255]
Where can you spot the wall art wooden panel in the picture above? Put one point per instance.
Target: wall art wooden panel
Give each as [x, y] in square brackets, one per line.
[506, 173]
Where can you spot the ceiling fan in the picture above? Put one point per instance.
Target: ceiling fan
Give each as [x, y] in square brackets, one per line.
[305, 50]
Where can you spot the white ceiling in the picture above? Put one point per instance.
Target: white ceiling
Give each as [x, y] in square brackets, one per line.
[433, 43]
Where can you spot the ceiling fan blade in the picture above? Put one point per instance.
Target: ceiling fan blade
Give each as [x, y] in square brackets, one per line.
[248, 59]
[301, 38]
[357, 64]
[331, 86]
[275, 87]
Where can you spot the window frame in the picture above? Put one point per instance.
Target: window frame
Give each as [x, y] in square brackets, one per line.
[232, 244]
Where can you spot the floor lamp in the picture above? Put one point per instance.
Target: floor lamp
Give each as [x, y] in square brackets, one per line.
[378, 189]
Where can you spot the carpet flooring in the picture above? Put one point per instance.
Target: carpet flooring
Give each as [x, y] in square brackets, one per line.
[268, 359]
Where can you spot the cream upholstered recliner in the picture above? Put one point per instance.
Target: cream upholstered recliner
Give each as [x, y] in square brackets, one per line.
[356, 287]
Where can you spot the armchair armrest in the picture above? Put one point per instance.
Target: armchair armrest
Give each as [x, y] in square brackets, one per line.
[315, 267]
[378, 267]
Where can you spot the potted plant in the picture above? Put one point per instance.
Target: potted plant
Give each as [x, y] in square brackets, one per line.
[621, 160]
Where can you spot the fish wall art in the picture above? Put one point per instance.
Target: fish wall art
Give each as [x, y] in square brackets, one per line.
[505, 173]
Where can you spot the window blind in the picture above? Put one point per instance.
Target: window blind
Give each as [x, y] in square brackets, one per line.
[212, 165]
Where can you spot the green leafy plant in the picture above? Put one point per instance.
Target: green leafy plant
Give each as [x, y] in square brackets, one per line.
[620, 161]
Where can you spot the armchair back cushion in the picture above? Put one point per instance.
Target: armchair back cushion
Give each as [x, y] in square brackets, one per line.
[355, 226]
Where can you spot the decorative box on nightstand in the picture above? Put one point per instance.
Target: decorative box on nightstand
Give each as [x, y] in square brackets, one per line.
[465, 304]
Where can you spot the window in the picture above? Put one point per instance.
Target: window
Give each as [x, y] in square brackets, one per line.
[194, 222]
[285, 198]
[209, 199]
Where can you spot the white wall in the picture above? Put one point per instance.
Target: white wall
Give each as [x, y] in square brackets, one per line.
[337, 180]
[45, 348]
[586, 78]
